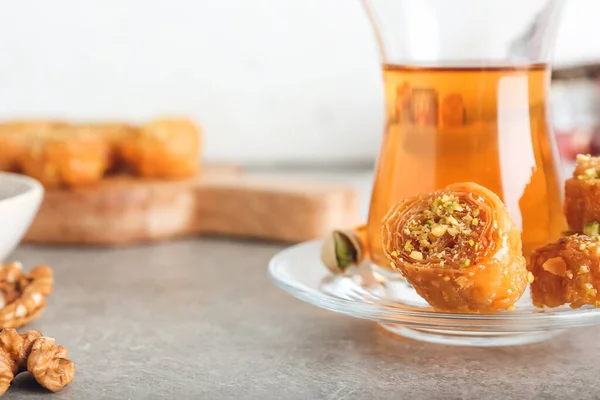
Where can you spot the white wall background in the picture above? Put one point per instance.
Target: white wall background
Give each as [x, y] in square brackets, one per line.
[271, 81]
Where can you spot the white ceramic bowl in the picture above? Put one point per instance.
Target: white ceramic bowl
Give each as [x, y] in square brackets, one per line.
[20, 199]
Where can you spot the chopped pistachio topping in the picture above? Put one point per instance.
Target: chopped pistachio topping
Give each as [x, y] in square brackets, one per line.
[583, 158]
[583, 269]
[453, 231]
[451, 220]
[447, 230]
[394, 253]
[569, 274]
[466, 263]
[589, 289]
[453, 206]
[588, 174]
[587, 167]
[591, 229]
[591, 172]
[439, 230]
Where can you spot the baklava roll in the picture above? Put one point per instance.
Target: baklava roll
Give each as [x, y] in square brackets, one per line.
[15, 139]
[66, 157]
[458, 248]
[166, 148]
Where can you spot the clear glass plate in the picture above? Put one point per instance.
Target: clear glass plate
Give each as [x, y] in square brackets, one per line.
[370, 294]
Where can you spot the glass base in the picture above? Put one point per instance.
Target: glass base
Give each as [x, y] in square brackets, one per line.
[383, 296]
[393, 286]
[473, 339]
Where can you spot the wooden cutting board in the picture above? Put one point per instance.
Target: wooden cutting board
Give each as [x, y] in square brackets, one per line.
[223, 201]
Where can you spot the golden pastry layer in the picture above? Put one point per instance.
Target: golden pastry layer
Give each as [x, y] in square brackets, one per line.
[566, 272]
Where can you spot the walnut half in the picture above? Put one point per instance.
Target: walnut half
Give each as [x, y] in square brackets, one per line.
[49, 365]
[23, 295]
[37, 354]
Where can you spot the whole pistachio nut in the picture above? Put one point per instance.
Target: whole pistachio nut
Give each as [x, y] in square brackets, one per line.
[341, 250]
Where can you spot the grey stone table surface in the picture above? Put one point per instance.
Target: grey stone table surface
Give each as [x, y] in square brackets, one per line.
[199, 319]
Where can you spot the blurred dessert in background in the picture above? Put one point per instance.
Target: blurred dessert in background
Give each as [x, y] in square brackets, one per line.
[61, 154]
[164, 148]
[64, 155]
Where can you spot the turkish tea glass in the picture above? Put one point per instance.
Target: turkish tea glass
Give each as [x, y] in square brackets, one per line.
[466, 86]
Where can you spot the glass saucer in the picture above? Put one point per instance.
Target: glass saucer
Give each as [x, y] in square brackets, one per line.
[368, 294]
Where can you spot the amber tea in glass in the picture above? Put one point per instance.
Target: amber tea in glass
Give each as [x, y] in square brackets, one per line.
[465, 105]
